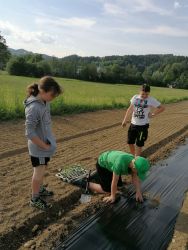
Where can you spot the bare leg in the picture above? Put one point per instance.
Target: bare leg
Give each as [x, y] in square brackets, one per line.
[94, 187]
[132, 149]
[138, 151]
[37, 179]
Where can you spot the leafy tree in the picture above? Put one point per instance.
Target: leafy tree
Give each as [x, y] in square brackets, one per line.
[33, 58]
[183, 80]
[169, 75]
[116, 73]
[4, 53]
[43, 68]
[157, 78]
[17, 66]
[147, 74]
[89, 72]
[132, 74]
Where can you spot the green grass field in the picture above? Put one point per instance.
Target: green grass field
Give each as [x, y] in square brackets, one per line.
[79, 96]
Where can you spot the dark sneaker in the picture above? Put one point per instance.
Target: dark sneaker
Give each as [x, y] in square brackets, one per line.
[39, 203]
[44, 192]
[80, 182]
[83, 183]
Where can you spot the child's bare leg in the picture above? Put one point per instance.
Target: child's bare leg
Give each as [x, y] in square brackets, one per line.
[138, 151]
[132, 149]
[94, 187]
[37, 180]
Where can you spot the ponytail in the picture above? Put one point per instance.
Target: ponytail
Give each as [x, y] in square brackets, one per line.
[32, 89]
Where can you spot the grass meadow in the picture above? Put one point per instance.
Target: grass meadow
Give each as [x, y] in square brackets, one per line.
[79, 96]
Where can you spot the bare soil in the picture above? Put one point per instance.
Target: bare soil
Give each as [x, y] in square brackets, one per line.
[80, 140]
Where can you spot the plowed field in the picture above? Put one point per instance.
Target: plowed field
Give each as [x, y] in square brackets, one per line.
[80, 140]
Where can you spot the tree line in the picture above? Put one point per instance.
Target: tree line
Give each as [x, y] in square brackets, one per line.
[158, 70]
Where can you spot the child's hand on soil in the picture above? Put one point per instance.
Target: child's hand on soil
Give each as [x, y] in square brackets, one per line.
[139, 196]
[109, 199]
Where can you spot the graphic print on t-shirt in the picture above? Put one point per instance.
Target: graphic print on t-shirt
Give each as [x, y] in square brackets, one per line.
[139, 108]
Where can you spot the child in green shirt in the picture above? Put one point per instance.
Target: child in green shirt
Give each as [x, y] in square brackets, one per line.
[111, 165]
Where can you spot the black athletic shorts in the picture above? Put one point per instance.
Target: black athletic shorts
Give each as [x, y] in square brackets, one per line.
[138, 134]
[37, 161]
[105, 178]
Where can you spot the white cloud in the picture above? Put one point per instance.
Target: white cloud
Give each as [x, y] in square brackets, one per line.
[113, 9]
[171, 31]
[44, 38]
[63, 44]
[177, 5]
[132, 6]
[158, 30]
[67, 22]
[21, 35]
[149, 6]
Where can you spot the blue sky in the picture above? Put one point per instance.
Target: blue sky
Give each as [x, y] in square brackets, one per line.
[96, 27]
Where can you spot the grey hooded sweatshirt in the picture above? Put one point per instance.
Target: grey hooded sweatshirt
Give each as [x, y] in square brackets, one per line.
[38, 123]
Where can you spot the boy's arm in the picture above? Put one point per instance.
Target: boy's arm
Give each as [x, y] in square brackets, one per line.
[114, 182]
[127, 115]
[158, 110]
[158, 107]
[136, 183]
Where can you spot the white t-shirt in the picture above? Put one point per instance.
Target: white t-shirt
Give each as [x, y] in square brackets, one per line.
[141, 109]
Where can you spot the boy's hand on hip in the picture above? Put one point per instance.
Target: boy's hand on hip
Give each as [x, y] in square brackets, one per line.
[124, 124]
[151, 115]
[139, 196]
[109, 199]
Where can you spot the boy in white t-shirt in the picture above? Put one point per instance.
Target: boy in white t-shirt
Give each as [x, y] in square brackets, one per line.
[140, 110]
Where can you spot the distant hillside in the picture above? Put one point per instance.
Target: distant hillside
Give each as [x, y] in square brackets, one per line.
[19, 52]
[23, 52]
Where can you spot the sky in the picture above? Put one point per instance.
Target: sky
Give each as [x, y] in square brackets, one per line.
[96, 27]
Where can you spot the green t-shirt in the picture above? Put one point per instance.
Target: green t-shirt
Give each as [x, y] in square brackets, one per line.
[116, 161]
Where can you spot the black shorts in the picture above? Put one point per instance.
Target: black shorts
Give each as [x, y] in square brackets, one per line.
[37, 161]
[105, 178]
[138, 134]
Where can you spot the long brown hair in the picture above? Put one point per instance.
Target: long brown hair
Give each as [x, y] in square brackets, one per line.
[46, 83]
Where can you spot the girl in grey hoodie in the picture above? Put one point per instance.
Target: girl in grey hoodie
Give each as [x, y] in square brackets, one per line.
[41, 142]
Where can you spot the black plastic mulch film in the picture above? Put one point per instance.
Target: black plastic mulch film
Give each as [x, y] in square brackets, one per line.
[129, 226]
